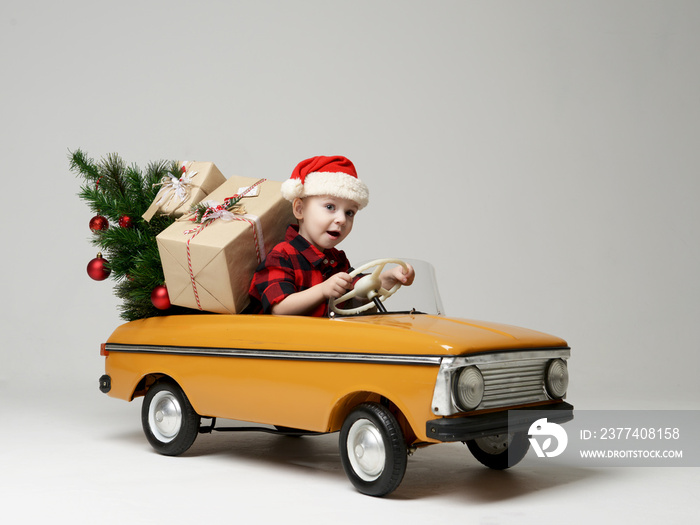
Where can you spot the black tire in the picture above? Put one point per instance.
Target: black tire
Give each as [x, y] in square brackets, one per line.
[169, 421]
[373, 450]
[501, 451]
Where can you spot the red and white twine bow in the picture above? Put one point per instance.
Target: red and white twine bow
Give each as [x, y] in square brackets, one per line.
[215, 211]
[223, 211]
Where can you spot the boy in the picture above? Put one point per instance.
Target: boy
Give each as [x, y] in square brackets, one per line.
[303, 272]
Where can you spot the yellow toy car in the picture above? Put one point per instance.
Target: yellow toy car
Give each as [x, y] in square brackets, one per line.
[388, 381]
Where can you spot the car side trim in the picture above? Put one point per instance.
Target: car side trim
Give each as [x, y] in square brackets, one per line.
[424, 360]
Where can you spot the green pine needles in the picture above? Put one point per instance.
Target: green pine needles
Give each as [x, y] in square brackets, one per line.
[115, 190]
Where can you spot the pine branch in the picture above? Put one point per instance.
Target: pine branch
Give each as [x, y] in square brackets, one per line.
[100, 202]
[121, 247]
[136, 289]
[133, 185]
[112, 170]
[84, 165]
[113, 189]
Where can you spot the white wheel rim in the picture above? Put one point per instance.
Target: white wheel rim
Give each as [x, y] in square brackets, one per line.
[495, 444]
[164, 416]
[366, 450]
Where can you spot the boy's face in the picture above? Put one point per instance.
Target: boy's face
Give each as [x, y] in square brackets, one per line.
[325, 221]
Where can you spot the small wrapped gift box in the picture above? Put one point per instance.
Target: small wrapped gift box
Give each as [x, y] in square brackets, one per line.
[177, 194]
[209, 265]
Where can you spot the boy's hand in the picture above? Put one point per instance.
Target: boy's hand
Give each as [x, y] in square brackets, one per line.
[398, 275]
[336, 285]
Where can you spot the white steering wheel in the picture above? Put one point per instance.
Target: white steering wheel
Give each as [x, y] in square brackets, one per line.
[369, 287]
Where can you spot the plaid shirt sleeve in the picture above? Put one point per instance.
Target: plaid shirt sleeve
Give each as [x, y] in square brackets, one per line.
[273, 281]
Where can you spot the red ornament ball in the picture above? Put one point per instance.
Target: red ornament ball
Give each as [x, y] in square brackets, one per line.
[99, 223]
[160, 297]
[97, 269]
[125, 221]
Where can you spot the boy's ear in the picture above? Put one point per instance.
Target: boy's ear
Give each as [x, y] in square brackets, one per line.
[298, 208]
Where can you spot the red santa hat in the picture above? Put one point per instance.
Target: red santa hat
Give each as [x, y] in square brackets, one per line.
[334, 176]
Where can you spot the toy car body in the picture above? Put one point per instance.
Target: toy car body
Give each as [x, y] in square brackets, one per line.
[389, 382]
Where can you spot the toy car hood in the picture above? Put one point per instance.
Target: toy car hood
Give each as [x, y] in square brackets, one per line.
[414, 334]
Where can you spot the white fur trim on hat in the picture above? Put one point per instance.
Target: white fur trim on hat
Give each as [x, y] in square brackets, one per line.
[337, 184]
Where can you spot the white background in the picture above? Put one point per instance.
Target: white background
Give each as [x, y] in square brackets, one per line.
[542, 155]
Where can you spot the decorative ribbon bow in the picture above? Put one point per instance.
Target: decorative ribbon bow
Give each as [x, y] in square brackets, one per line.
[214, 211]
[171, 186]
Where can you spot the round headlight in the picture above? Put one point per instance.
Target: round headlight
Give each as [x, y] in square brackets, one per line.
[469, 388]
[557, 378]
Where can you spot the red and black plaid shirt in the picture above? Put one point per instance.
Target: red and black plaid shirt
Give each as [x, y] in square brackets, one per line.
[292, 266]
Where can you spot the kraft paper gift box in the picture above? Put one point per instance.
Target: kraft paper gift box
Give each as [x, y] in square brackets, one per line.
[215, 273]
[177, 194]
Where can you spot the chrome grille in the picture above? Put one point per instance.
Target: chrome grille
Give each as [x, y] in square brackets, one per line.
[513, 383]
[511, 378]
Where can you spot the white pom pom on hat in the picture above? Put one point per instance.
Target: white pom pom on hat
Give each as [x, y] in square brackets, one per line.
[334, 176]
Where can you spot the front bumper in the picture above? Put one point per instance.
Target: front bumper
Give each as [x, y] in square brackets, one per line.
[472, 427]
